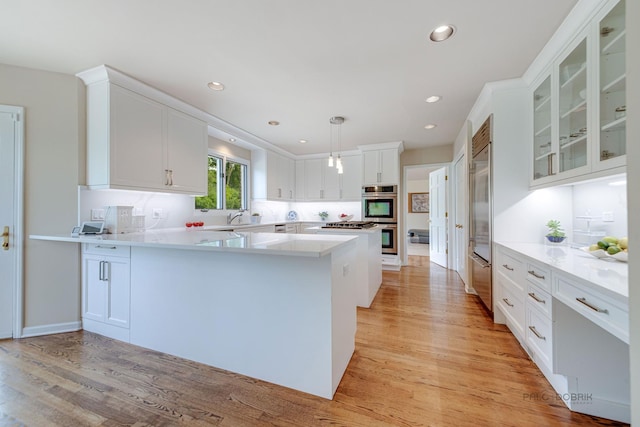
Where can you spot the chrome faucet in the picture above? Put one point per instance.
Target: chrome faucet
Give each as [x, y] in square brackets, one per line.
[230, 218]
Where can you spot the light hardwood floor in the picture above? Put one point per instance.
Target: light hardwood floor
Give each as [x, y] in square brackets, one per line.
[426, 354]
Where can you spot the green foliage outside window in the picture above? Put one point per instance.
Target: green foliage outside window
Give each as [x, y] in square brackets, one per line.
[234, 186]
[211, 200]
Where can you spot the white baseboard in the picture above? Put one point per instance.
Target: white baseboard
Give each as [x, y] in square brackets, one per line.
[56, 328]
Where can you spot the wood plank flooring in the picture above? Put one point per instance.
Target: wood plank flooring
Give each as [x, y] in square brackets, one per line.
[426, 354]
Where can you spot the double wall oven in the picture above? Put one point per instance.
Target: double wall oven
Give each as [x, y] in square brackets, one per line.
[380, 205]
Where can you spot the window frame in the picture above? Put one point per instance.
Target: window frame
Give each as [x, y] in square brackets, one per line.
[221, 188]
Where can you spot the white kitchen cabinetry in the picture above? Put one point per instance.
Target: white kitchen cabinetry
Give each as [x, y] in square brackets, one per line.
[351, 178]
[611, 120]
[510, 291]
[578, 122]
[320, 180]
[273, 176]
[137, 143]
[538, 316]
[576, 331]
[106, 290]
[381, 167]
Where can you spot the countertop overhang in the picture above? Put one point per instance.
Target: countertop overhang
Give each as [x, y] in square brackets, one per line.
[307, 245]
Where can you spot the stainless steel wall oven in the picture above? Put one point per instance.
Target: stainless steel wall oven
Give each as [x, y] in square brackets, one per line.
[380, 205]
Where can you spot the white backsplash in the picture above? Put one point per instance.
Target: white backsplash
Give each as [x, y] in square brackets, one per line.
[607, 203]
[178, 209]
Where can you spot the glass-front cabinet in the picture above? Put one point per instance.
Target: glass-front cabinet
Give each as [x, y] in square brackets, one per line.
[543, 150]
[579, 105]
[612, 88]
[572, 110]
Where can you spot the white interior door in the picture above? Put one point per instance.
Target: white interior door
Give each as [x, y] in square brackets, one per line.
[461, 219]
[10, 252]
[438, 216]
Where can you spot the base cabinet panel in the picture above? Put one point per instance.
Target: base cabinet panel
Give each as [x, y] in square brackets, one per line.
[106, 288]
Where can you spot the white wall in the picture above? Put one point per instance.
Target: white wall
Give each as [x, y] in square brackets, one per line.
[633, 194]
[417, 220]
[519, 214]
[54, 144]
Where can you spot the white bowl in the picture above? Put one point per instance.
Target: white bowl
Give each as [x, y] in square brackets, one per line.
[620, 256]
[346, 218]
[599, 253]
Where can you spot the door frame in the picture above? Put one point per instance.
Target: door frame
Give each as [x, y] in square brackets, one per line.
[456, 192]
[18, 218]
[402, 231]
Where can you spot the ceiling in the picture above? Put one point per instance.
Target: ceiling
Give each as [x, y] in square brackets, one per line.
[299, 62]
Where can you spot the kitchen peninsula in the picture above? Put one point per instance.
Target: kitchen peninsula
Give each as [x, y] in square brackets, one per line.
[277, 307]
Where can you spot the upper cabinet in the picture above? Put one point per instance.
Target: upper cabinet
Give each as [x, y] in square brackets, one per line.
[318, 181]
[273, 176]
[579, 106]
[135, 142]
[381, 163]
[612, 85]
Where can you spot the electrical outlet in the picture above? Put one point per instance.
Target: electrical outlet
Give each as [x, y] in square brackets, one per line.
[97, 214]
[607, 216]
[345, 270]
[157, 213]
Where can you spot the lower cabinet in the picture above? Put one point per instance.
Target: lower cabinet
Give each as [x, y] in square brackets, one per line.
[576, 334]
[106, 287]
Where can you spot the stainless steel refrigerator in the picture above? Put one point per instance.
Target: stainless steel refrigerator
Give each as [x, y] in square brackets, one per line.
[480, 239]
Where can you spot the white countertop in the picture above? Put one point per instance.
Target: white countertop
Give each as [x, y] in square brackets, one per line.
[309, 245]
[608, 274]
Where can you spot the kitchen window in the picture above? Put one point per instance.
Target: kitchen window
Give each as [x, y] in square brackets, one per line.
[227, 183]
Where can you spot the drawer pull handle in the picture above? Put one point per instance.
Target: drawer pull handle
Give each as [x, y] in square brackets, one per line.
[106, 247]
[591, 306]
[507, 267]
[533, 273]
[535, 297]
[536, 333]
[506, 301]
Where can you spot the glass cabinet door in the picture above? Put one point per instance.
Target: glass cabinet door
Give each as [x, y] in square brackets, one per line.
[572, 110]
[542, 147]
[612, 84]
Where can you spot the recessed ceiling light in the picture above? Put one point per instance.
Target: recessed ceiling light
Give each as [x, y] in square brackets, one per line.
[215, 86]
[274, 122]
[232, 140]
[303, 141]
[442, 33]
[430, 126]
[433, 98]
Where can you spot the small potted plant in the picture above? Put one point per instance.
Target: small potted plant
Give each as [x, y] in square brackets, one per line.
[323, 215]
[555, 234]
[255, 218]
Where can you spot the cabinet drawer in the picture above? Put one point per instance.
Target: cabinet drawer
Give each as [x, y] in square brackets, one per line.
[596, 307]
[539, 275]
[540, 299]
[512, 305]
[539, 337]
[106, 248]
[511, 267]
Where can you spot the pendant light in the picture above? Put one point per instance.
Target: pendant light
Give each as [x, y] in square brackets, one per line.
[336, 122]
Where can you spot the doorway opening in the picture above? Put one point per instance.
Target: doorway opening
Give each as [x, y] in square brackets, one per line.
[418, 225]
